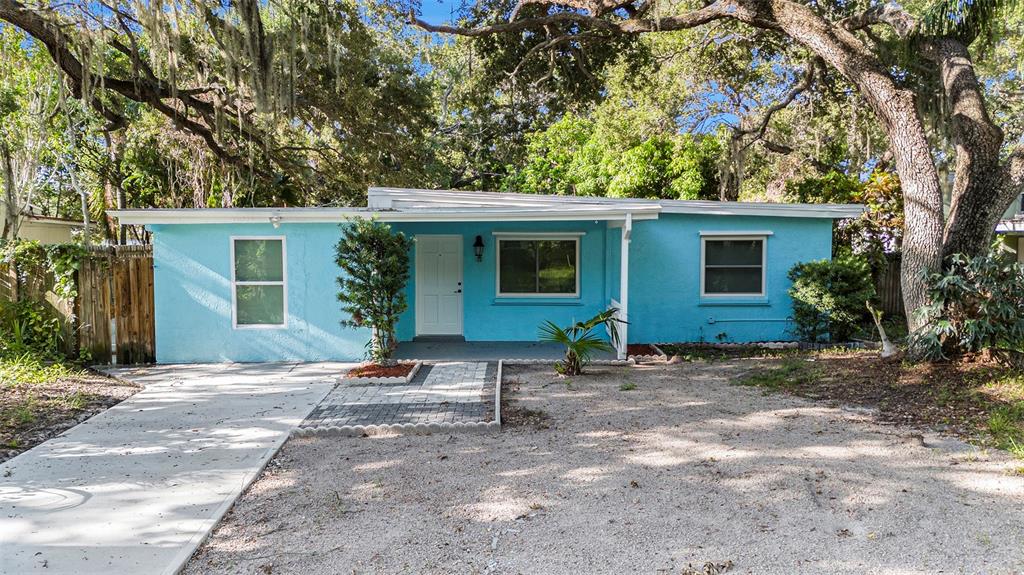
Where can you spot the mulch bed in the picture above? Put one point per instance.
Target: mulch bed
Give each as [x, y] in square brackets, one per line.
[641, 349]
[955, 397]
[32, 413]
[377, 370]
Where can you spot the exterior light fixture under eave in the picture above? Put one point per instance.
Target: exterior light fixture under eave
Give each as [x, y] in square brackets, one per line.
[275, 221]
[478, 248]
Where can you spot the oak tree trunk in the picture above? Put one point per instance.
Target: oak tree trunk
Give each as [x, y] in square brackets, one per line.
[897, 111]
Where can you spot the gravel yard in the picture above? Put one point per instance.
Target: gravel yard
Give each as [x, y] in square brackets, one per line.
[648, 469]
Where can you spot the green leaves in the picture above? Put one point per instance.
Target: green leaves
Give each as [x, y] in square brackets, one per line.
[828, 297]
[577, 156]
[580, 341]
[375, 266]
[977, 304]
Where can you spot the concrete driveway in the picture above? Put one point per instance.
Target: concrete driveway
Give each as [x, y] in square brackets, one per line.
[137, 488]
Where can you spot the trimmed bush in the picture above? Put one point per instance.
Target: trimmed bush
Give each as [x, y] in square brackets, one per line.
[829, 296]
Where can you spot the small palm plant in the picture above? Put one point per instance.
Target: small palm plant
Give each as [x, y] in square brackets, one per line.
[580, 341]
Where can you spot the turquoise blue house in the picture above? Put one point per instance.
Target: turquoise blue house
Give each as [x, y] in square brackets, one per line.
[258, 284]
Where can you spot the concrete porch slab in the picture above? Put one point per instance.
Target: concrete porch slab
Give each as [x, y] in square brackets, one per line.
[485, 350]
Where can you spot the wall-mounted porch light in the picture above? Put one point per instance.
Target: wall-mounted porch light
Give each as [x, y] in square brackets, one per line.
[478, 248]
[275, 221]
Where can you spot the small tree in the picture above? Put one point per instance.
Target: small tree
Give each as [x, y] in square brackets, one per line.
[829, 296]
[375, 263]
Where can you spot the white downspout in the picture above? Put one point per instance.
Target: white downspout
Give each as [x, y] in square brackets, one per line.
[627, 231]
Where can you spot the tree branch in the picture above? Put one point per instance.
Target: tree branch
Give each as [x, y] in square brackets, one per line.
[805, 82]
[718, 10]
[889, 14]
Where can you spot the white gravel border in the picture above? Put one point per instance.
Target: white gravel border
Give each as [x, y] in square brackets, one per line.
[661, 356]
[497, 393]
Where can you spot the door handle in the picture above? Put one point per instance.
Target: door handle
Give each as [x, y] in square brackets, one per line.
[458, 291]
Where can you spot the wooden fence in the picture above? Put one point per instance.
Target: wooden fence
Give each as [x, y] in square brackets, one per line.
[112, 318]
[887, 285]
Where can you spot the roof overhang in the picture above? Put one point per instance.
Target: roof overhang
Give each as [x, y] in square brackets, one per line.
[55, 222]
[404, 198]
[1010, 226]
[338, 215]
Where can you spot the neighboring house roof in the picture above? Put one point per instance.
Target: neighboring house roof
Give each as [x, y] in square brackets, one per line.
[33, 213]
[1013, 225]
[52, 221]
[402, 204]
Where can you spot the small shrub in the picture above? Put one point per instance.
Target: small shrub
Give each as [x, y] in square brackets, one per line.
[829, 296]
[628, 386]
[976, 304]
[375, 263]
[580, 341]
[28, 327]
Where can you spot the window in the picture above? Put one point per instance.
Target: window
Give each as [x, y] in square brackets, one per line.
[538, 266]
[732, 265]
[258, 284]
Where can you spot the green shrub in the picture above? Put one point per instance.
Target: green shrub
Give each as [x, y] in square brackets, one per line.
[29, 327]
[976, 304]
[376, 266]
[580, 341]
[828, 297]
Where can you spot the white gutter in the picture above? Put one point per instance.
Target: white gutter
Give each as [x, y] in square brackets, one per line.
[337, 215]
[1010, 226]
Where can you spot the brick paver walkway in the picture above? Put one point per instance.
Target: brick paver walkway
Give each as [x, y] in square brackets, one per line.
[442, 392]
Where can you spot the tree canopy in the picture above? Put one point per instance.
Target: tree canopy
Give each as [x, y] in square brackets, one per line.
[282, 102]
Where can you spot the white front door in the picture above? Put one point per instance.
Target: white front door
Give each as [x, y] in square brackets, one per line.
[438, 285]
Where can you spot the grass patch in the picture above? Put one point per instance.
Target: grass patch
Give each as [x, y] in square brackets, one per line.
[788, 374]
[627, 386]
[698, 352]
[1006, 426]
[974, 398]
[27, 369]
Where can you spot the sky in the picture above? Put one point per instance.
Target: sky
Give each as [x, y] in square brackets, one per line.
[437, 11]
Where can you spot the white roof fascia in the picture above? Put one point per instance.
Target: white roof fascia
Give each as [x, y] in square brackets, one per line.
[1010, 226]
[337, 215]
[402, 198]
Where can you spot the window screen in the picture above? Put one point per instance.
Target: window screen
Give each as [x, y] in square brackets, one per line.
[259, 282]
[734, 266]
[537, 267]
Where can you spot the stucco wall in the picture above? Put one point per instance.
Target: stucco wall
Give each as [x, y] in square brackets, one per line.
[193, 287]
[488, 318]
[46, 232]
[192, 291]
[664, 295]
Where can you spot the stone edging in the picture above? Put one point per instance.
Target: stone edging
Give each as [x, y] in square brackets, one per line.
[661, 355]
[527, 361]
[497, 393]
[383, 380]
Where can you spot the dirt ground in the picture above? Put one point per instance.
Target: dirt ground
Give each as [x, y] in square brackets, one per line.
[31, 413]
[647, 469]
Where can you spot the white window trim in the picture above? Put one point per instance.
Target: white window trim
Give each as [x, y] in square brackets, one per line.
[721, 236]
[500, 237]
[283, 283]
